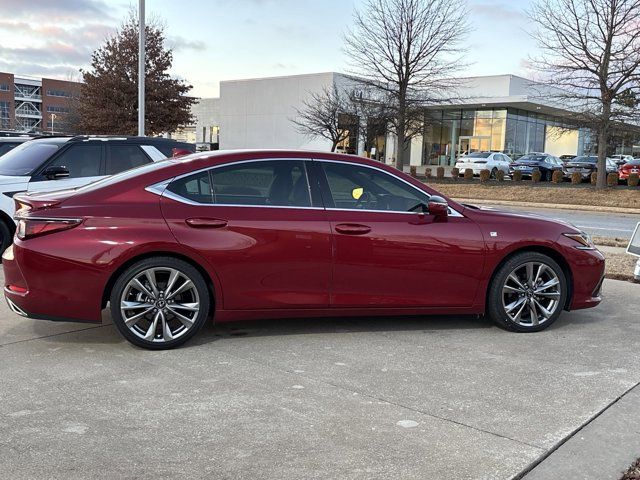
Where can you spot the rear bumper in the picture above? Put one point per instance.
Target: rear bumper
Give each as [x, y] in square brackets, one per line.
[56, 289]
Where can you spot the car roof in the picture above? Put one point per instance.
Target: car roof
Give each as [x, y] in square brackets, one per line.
[15, 139]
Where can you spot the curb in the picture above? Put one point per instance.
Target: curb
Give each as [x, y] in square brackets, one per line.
[553, 206]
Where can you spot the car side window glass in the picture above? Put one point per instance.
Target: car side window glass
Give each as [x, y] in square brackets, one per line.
[355, 187]
[125, 157]
[80, 160]
[262, 183]
[196, 187]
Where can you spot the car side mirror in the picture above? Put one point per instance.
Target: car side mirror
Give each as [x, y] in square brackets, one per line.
[438, 207]
[56, 172]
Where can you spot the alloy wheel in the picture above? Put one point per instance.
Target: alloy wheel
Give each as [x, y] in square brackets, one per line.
[159, 304]
[531, 294]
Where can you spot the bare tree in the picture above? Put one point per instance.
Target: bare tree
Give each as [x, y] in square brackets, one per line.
[591, 51]
[408, 50]
[327, 114]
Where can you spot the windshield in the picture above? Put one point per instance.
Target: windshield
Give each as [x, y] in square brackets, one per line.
[585, 159]
[26, 158]
[477, 155]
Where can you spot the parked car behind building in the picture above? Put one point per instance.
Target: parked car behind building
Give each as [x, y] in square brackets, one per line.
[55, 163]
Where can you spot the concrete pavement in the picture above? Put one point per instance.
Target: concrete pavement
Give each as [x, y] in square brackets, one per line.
[406, 398]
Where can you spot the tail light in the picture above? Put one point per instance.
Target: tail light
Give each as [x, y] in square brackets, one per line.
[179, 152]
[35, 227]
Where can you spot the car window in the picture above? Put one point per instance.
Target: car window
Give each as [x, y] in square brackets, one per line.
[271, 183]
[196, 187]
[81, 160]
[357, 187]
[26, 158]
[478, 155]
[5, 147]
[125, 157]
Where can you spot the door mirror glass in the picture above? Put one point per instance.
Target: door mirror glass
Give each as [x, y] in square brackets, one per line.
[438, 206]
[56, 172]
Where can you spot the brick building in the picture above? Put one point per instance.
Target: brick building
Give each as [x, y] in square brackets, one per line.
[29, 104]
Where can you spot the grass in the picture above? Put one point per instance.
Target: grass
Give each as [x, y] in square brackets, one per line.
[619, 266]
[610, 242]
[562, 194]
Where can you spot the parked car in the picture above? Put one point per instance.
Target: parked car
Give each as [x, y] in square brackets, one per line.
[53, 163]
[9, 143]
[544, 162]
[585, 165]
[621, 159]
[628, 168]
[249, 234]
[478, 161]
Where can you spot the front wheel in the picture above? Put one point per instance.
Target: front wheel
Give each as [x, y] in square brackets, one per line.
[160, 303]
[527, 293]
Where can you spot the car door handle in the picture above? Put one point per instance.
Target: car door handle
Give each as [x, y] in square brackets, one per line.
[352, 228]
[206, 222]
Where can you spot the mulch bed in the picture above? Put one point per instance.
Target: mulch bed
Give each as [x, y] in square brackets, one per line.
[633, 473]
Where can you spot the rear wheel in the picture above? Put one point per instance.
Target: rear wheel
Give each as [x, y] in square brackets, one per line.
[160, 303]
[527, 293]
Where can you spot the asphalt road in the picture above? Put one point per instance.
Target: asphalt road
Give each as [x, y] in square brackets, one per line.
[393, 398]
[603, 224]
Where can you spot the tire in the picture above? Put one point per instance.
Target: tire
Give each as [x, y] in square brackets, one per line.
[6, 237]
[178, 314]
[509, 305]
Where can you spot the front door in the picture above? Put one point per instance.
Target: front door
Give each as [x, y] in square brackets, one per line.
[388, 256]
[256, 224]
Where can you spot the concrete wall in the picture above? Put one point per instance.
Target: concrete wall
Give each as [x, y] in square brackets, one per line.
[257, 113]
[207, 119]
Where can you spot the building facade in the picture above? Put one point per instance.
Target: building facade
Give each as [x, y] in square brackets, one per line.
[29, 104]
[504, 113]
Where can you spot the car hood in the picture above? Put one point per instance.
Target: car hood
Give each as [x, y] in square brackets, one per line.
[488, 212]
[13, 179]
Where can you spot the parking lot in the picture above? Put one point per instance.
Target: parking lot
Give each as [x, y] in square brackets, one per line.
[345, 398]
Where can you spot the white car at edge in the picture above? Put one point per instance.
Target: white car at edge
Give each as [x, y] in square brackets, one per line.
[478, 161]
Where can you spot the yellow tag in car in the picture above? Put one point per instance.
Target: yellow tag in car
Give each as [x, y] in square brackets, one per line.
[356, 193]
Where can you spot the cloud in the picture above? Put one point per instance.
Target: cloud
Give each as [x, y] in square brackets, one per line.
[57, 9]
[178, 43]
[497, 10]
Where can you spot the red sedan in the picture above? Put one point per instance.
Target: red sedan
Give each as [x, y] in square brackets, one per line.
[250, 234]
[628, 168]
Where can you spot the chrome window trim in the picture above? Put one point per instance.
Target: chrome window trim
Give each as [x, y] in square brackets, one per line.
[160, 188]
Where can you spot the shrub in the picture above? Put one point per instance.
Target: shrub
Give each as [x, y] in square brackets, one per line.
[633, 180]
[485, 175]
[440, 172]
[576, 178]
[468, 174]
[612, 179]
[455, 173]
[413, 170]
[536, 175]
[500, 176]
[517, 176]
[557, 176]
[427, 172]
[594, 178]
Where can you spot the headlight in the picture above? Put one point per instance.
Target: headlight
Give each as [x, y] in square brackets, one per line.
[583, 239]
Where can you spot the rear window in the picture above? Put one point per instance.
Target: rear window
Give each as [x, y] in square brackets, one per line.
[26, 158]
[533, 158]
[478, 155]
[585, 159]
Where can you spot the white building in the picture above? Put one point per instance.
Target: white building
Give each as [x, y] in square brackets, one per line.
[501, 113]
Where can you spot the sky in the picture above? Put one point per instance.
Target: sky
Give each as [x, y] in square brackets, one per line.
[216, 40]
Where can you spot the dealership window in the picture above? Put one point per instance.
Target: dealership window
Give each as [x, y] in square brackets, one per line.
[354, 187]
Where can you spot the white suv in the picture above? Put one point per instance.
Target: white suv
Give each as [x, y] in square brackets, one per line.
[57, 163]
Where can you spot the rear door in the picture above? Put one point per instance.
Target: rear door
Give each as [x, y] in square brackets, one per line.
[258, 226]
[84, 160]
[124, 156]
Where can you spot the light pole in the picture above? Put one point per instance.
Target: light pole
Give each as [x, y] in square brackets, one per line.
[53, 117]
[141, 72]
